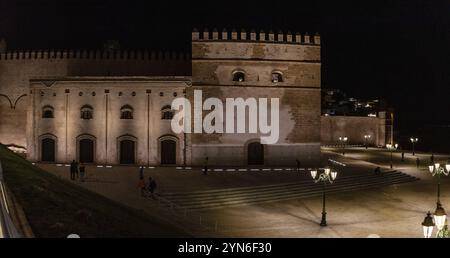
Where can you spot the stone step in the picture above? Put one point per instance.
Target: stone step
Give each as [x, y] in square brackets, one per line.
[282, 192]
[295, 185]
[298, 187]
[273, 198]
[270, 194]
[304, 180]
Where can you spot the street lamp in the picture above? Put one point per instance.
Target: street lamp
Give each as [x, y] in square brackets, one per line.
[413, 141]
[428, 225]
[343, 140]
[327, 176]
[391, 148]
[438, 170]
[439, 221]
[366, 138]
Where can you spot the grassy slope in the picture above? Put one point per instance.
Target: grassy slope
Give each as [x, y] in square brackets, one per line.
[56, 208]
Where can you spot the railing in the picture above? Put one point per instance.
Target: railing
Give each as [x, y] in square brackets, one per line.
[7, 227]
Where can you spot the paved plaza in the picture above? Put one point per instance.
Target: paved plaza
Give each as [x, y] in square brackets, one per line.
[390, 211]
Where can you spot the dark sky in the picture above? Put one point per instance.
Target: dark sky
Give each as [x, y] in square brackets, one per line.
[398, 50]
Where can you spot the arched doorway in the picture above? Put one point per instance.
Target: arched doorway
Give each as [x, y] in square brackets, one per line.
[255, 153]
[168, 152]
[86, 150]
[48, 150]
[127, 152]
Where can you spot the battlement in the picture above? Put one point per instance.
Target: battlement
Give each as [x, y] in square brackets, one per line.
[97, 55]
[252, 36]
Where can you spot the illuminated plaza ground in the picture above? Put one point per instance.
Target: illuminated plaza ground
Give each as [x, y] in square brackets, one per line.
[392, 211]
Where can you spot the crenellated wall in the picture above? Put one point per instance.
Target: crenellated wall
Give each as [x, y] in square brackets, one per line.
[217, 56]
[17, 68]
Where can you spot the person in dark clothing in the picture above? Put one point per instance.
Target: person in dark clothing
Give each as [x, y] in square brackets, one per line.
[298, 165]
[151, 186]
[205, 167]
[141, 172]
[432, 158]
[403, 156]
[73, 170]
[417, 162]
[377, 171]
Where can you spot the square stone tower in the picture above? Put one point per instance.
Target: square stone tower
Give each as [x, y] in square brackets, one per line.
[259, 65]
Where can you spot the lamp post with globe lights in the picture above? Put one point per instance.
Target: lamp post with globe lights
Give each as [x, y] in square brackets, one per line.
[391, 148]
[326, 177]
[440, 215]
[343, 140]
[438, 170]
[366, 138]
[413, 140]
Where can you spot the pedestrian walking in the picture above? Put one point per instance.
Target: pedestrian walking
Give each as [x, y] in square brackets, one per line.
[403, 156]
[73, 168]
[377, 171]
[141, 186]
[298, 165]
[417, 162]
[432, 158]
[205, 167]
[152, 186]
[77, 167]
[141, 172]
[82, 172]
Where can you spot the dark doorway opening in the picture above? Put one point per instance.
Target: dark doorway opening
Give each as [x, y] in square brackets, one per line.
[48, 150]
[168, 152]
[127, 152]
[255, 153]
[86, 151]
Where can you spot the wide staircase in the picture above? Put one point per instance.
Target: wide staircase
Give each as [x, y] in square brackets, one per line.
[303, 187]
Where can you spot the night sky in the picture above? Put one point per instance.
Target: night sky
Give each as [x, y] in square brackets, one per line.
[398, 51]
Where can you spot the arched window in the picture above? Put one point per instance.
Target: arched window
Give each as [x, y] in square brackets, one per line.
[47, 112]
[238, 76]
[87, 112]
[167, 113]
[277, 77]
[126, 112]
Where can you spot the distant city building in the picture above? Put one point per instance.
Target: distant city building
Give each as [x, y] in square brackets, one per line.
[336, 103]
[368, 122]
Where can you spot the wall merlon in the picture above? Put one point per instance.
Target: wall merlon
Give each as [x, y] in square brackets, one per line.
[90, 55]
[262, 36]
[205, 34]
[215, 34]
[243, 35]
[289, 37]
[224, 34]
[280, 36]
[307, 38]
[271, 36]
[234, 35]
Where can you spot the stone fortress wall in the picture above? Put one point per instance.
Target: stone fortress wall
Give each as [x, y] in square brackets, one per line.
[217, 56]
[147, 81]
[18, 67]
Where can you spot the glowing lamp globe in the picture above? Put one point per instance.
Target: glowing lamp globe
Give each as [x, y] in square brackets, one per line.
[428, 225]
[439, 217]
